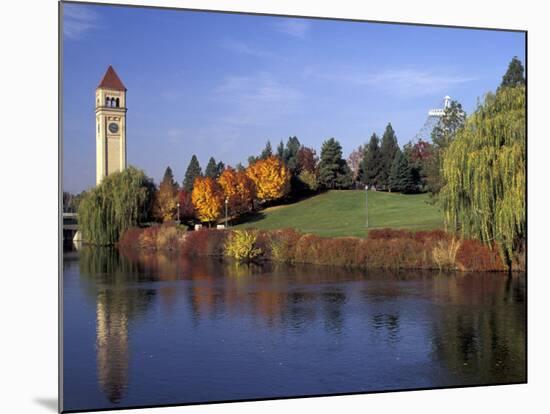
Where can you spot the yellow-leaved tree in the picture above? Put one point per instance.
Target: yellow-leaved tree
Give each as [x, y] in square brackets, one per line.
[271, 177]
[165, 206]
[207, 197]
[239, 189]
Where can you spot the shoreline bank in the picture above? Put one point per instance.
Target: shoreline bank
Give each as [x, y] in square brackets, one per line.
[383, 249]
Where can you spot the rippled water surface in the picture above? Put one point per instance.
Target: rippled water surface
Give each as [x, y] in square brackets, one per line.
[153, 329]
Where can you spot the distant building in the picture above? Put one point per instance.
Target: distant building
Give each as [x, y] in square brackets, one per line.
[439, 112]
[110, 116]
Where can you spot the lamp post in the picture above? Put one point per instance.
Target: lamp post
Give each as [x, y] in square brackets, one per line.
[178, 220]
[367, 203]
[226, 202]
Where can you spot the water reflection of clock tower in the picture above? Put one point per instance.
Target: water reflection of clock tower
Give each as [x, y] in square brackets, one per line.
[110, 116]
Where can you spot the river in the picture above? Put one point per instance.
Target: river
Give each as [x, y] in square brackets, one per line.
[155, 329]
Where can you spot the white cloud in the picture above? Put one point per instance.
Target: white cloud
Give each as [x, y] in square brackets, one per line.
[404, 82]
[257, 98]
[77, 20]
[297, 28]
[419, 81]
[239, 105]
[245, 49]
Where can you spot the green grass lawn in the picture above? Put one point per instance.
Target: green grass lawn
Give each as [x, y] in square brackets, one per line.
[342, 213]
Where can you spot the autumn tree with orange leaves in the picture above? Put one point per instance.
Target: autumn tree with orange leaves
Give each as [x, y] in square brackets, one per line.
[239, 189]
[271, 177]
[166, 198]
[207, 197]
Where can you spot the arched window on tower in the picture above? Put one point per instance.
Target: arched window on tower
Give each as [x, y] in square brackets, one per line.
[106, 101]
[117, 102]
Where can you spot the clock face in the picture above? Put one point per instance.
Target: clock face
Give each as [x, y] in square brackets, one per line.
[113, 127]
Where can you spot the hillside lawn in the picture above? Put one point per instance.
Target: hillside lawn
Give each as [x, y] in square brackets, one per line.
[342, 213]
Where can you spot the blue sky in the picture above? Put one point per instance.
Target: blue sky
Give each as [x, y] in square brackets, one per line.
[221, 85]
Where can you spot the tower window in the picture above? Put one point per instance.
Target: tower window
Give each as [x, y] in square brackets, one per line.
[117, 102]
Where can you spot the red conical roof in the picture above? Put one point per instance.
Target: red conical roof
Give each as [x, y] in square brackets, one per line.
[111, 81]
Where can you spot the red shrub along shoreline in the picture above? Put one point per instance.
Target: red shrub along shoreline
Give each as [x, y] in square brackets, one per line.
[384, 248]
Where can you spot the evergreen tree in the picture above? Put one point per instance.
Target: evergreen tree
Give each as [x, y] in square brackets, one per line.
[168, 178]
[290, 154]
[290, 157]
[388, 150]
[419, 155]
[219, 168]
[211, 169]
[344, 180]
[401, 177]
[361, 176]
[252, 159]
[334, 171]
[370, 167]
[281, 150]
[267, 151]
[452, 120]
[514, 74]
[449, 124]
[394, 173]
[193, 171]
[240, 167]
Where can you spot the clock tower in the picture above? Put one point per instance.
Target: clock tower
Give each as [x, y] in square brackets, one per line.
[110, 119]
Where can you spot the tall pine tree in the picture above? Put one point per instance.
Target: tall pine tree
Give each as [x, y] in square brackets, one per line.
[281, 150]
[514, 74]
[419, 156]
[219, 168]
[452, 120]
[252, 159]
[267, 151]
[449, 124]
[334, 171]
[388, 149]
[290, 154]
[193, 171]
[211, 169]
[401, 177]
[168, 178]
[370, 167]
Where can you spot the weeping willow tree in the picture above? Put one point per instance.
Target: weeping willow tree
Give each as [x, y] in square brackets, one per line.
[484, 172]
[118, 203]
